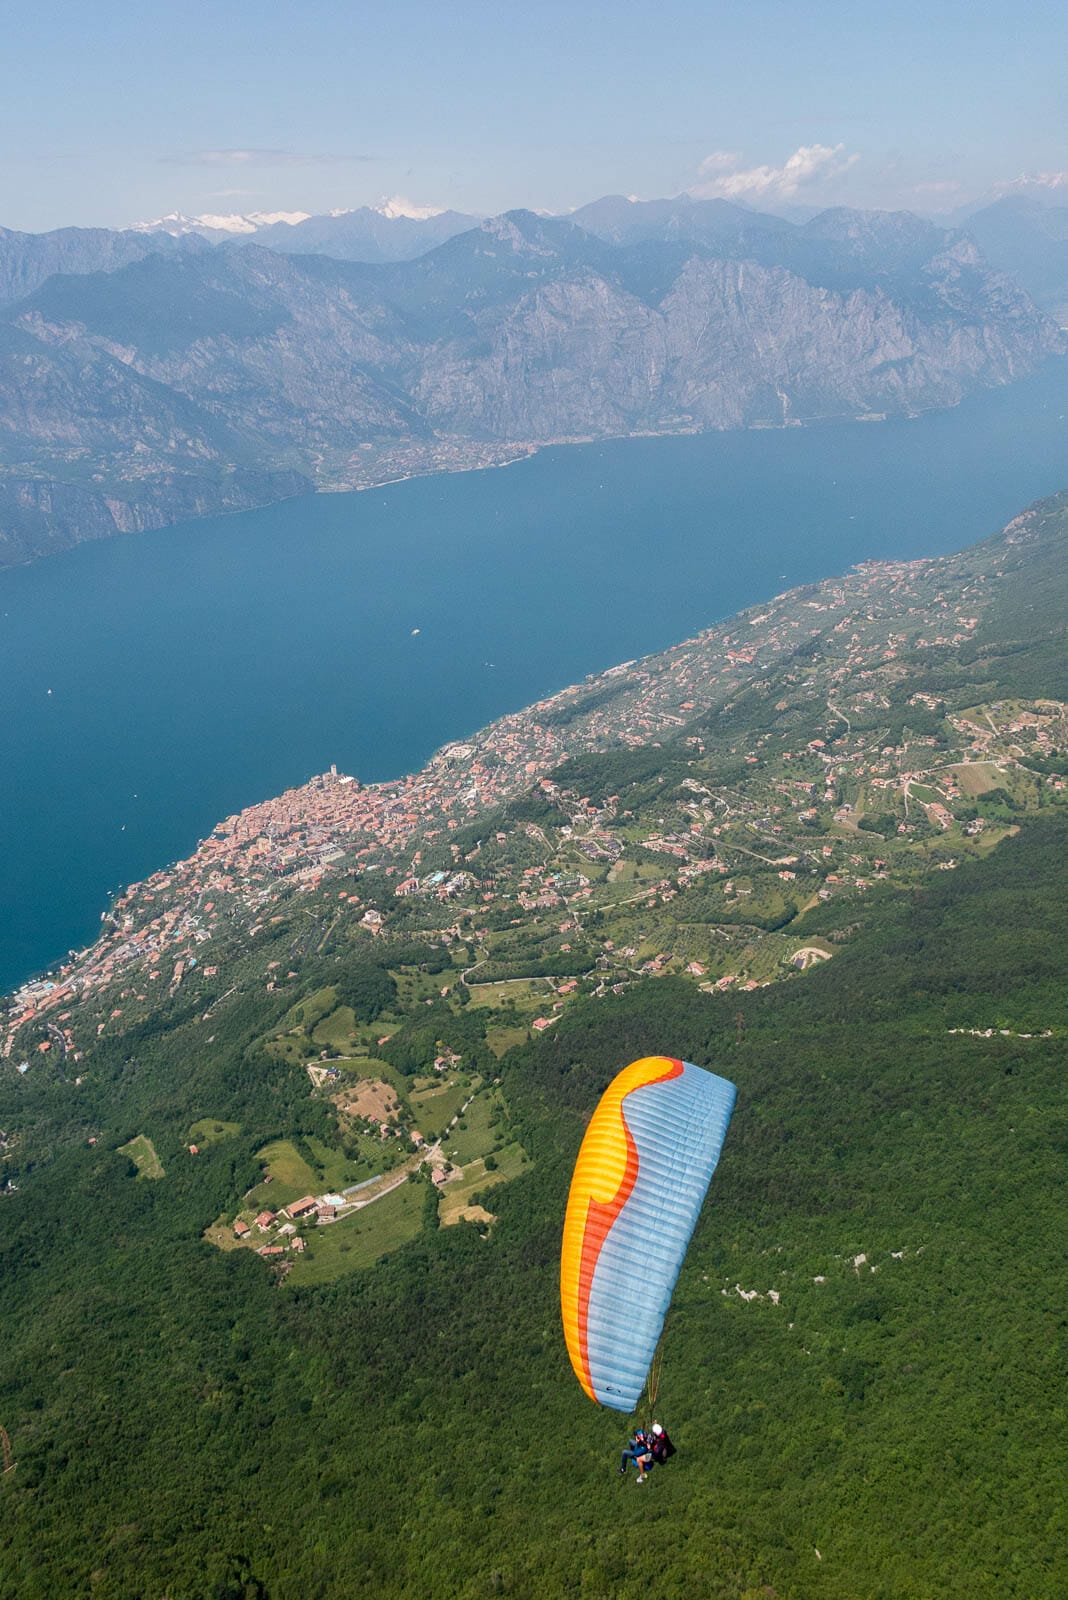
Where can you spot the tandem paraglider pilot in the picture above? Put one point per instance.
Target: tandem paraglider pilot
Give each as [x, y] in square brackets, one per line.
[639, 1183]
[647, 1450]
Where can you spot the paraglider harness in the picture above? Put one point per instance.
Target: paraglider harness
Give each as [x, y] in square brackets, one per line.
[660, 1447]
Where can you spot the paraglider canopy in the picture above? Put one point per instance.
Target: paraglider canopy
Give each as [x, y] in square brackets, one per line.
[639, 1182]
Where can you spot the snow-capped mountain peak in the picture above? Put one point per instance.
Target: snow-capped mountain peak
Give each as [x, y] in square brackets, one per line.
[218, 226]
[398, 205]
[177, 223]
[393, 230]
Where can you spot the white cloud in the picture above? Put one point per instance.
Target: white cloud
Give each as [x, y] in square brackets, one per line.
[721, 176]
[720, 161]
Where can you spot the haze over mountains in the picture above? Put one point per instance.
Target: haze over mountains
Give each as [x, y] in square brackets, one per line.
[393, 231]
[149, 375]
[1020, 236]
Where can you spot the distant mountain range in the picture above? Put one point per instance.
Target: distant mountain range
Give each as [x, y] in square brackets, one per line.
[389, 232]
[1017, 234]
[149, 375]
[1022, 237]
[28, 259]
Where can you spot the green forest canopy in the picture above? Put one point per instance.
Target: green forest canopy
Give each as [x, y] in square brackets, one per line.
[181, 1427]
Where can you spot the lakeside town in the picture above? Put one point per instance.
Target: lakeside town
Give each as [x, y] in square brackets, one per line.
[794, 827]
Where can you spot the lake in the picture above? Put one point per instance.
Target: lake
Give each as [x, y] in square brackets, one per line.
[154, 684]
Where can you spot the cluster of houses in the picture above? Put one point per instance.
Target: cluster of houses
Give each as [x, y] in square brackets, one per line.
[283, 1224]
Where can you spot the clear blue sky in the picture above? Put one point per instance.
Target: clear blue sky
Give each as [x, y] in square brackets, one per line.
[116, 111]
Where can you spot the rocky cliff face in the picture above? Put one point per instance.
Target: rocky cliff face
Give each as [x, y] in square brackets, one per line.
[42, 516]
[150, 386]
[730, 344]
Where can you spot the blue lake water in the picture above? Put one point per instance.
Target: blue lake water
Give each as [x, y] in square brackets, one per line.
[151, 685]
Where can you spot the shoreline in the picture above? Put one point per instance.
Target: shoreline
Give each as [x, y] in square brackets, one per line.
[321, 841]
[85, 931]
[372, 811]
[515, 452]
[453, 756]
[452, 749]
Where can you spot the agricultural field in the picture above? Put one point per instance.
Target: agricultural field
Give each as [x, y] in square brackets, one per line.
[370, 1100]
[337, 1030]
[317, 1022]
[479, 1145]
[976, 777]
[361, 1239]
[293, 1173]
[413, 988]
[523, 993]
[477, 1177]
[209, 1130]
[374, 1068]
[435, 1106]
[475, 1134]
[505, 1037]
[142, 1153]
[635, 873]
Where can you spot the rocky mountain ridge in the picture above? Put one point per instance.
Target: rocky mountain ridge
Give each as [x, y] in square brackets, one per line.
[219, 376]
[28, 259]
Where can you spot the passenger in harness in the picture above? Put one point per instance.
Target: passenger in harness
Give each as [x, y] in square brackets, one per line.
[639, 1450]
[660, 1446]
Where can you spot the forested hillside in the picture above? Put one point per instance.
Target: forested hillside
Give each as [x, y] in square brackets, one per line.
[864, 1362]
[183, 1427]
